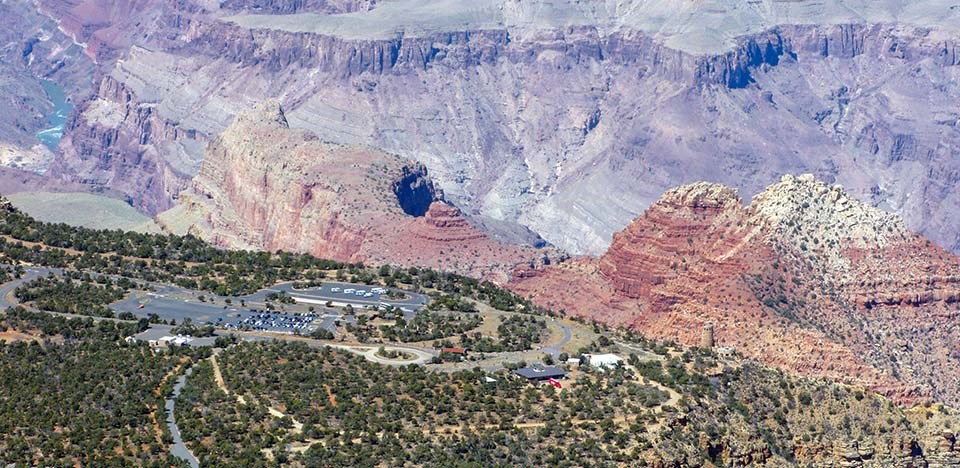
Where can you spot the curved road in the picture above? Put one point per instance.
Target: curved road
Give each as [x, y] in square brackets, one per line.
[6, 289]
[370, 353]
[555, 348]
[165, 303]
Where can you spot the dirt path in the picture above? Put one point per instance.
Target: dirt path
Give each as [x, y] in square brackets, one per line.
[218, 377]
[330, 396]
[619, 420]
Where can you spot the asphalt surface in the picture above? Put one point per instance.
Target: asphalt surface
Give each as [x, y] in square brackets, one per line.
[554, 348]
[174, 303]
[178, 448]
[6, 289]
[321, 295]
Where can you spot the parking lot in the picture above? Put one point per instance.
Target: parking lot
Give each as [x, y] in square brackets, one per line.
[341, 294]
[243, 313]
[265, 320]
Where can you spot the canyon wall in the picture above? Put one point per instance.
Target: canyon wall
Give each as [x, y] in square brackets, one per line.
[266, 186]
[34, 48]
[569, 131]
[297, 6]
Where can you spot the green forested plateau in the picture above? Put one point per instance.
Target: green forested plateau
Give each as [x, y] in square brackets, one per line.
[77, 394]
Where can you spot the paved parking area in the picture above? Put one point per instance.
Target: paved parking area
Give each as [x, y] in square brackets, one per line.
[172, 303]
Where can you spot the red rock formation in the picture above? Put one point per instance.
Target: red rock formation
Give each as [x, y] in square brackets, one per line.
[446, 223]
[802, 279]
[266, 186]
[445, 239]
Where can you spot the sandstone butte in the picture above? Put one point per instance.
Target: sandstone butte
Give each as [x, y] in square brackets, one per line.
[804, 278]
[264, 185]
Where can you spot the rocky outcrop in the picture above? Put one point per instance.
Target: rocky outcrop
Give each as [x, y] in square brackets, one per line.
[446, 222]
[106, 29]
[803, 278]
[550, 137]
[266, 186]
[644, 255]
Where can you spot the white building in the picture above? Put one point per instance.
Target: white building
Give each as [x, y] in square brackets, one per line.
[605, 361]
[168, 341]
[725, 352]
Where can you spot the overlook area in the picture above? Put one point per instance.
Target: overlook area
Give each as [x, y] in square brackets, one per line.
[471, 233]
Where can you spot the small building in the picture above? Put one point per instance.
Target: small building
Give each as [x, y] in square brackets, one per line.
[605, 361]
[539, 374]
[573, 360]
[168, 341]
[725, 352]
[451, 350]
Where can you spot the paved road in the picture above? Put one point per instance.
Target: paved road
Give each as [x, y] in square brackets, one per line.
[178, 448]
[7, 290]
[554, 349]
[423, 356]
[173, 302]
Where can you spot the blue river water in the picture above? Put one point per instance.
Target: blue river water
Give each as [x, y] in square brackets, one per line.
[57, 119]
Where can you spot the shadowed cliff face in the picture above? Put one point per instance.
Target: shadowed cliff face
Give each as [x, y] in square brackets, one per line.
[571, 132]
[266, 186]
[414, 191]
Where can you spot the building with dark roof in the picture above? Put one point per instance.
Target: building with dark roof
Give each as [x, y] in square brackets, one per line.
[536, 374]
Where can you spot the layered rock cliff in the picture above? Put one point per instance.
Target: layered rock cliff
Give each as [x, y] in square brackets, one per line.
[116, 141]
[565, 118]
[33, 49]
[266, 186]
[298, 6]
[803, 278]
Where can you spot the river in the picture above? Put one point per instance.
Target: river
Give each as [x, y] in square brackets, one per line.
[57, 118]
[178, 449]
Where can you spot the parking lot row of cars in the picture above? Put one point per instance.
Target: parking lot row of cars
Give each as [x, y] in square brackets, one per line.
[265, 320]
[359, 292]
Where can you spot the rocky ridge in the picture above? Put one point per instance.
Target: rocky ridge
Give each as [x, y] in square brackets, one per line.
[264, 185]
[554, 114]
[802, 278]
